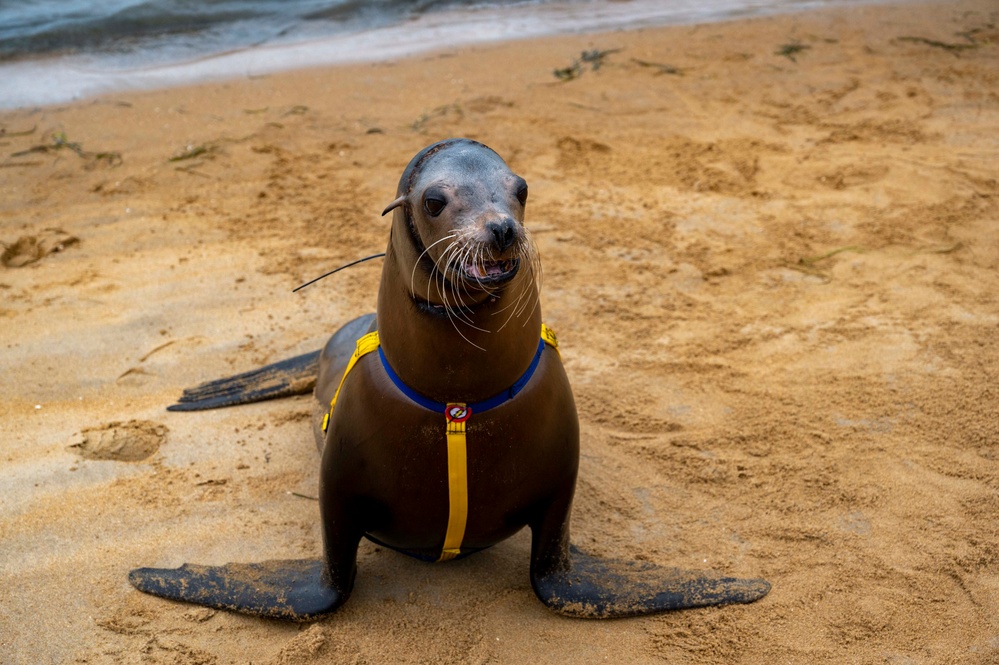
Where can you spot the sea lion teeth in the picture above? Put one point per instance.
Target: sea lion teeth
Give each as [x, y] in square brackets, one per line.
[490, 271]
[486, 268]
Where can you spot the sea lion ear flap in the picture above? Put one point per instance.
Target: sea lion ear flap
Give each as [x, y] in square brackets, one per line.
[395, 204]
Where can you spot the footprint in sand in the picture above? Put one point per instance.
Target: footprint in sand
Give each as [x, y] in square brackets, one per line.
[133, 441]
[28, 249]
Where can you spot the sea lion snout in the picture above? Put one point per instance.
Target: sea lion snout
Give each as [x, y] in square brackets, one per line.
[504, 233]
[492, 249]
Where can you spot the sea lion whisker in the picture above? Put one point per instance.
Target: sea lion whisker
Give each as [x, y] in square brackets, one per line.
[453, 253]
[457, 330]
[416, 263]
[535, 266]
[456, 268]
[458, 311]
[449, 290]
[525, 257]
[462, 259]
[531, 247]
[479, 261]
[537, 271]
[437, 279]
[529, 257]
[520, 305]
[512, 306]
[336, 270]
[537, 302]
[447, 295]
[537, 276]
[511, 315]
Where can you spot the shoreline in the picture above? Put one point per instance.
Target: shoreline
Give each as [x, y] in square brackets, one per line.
[770, 251]
[79, 77]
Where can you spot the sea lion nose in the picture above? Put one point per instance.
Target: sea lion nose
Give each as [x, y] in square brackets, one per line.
[504, 233]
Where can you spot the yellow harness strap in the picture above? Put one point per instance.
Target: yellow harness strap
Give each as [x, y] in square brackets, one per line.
[365, 345]
[455, 416]
[457, 479]
[551, 339]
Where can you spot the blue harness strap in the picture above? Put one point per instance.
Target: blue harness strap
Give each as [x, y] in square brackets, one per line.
[474, 407]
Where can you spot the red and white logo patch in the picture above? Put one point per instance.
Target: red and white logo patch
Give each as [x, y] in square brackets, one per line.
[457, 413]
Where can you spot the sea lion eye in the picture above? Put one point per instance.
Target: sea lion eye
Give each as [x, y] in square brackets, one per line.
[522, 195]
[434, 206]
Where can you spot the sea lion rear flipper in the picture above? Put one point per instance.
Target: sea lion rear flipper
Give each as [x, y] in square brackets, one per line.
[605, 588]
[293, 376]
[292, 589]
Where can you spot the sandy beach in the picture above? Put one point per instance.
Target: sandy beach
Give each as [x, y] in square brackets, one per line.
[771, 253]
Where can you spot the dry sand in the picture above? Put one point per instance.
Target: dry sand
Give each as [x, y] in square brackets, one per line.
[774, 278]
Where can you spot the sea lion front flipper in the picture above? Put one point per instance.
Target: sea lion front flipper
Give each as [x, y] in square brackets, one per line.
[573, 583]
[606, 588]
[294, 376]
[294, 589]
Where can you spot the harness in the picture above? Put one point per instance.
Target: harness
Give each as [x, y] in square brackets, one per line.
[456, 415]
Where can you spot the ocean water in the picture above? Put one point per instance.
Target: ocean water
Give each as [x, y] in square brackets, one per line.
[53, 51]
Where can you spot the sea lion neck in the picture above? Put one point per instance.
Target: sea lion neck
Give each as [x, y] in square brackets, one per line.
[451, 359]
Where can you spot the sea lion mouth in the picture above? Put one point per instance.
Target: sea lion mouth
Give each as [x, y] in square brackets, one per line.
[487, 272]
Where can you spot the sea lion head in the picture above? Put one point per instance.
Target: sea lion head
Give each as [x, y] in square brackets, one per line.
[459, 222]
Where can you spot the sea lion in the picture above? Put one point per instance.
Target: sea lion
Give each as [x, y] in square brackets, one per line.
[446, 421]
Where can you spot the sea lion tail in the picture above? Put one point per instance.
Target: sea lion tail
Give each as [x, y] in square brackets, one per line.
[294, 376]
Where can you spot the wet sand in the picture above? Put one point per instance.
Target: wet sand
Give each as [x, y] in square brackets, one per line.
[770, 252]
